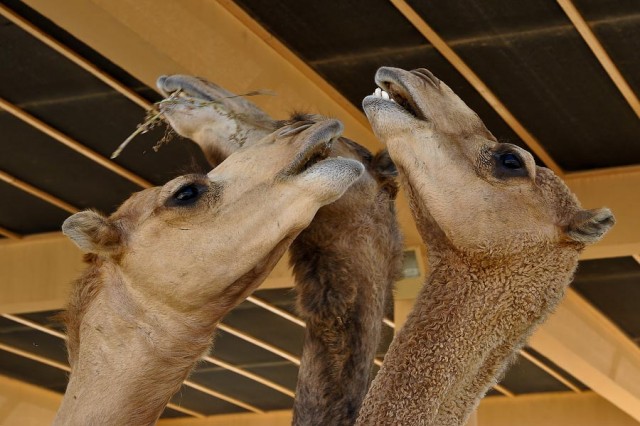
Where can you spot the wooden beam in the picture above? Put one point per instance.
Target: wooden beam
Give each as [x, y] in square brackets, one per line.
[25, 404]
[614, 190]
[9, 234]
[73, 144]
[286, 315]
[64, 367]
[36, 272]
[73, 56]
[550, 371]
[35, 326]
[600, 53]
[249, 375]
[223, 397]
[150, 38]
[272, 418]
[260, 343]
[211, 359]
[587, 345]
[473, 79]
[551, 409]
[36, 192]
[291, 58]
[35, 357]
[274, 309]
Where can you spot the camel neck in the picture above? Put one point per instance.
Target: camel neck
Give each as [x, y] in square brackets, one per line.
[343, 284]
[468, 310]
[129, 360]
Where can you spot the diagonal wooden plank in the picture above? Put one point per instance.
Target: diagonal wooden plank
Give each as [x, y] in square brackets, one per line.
[73, 56]
[73, 144]
[9, 234]
[600, 52]
[36, 192]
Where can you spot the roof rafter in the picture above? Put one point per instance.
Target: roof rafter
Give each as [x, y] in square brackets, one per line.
[63, 367]
[210, 359]
[600, 52]
[73, 144]
[587, 345]
[73, 56]
[189, 383]
[9, 234]
[36, 192]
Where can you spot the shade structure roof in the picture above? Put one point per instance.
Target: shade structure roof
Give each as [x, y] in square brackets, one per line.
[527, 68]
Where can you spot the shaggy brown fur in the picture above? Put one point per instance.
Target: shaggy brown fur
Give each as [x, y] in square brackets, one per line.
[503, 238]
[344, 263]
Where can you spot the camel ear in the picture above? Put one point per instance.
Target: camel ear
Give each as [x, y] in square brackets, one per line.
[92, 232]
[589, 226]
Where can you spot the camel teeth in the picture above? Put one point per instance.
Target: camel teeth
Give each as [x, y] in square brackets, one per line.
[379, 93]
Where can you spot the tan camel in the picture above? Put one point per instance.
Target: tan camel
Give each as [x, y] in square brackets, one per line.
[503, 238]
[172, 260]
[344, 263]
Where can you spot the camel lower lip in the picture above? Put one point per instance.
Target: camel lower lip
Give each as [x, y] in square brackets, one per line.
[372, 100]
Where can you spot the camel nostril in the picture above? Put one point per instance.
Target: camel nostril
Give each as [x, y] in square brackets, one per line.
[161, 84]
[427, 75]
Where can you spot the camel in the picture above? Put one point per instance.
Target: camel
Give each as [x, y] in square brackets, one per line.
[503, 238]
[344, 263]
[173, 260]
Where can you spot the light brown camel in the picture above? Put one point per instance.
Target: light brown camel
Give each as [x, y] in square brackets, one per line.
[172, 260]
[503, 238]
[344, 263]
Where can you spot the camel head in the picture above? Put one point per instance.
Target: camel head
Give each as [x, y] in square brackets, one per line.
[216, 119]
[475, 192]
[202, 237]
[211, 116]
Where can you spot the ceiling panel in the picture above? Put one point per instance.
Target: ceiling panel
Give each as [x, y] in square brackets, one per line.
[613, 286]
[43, 162]
[25, 214]
[527, 52]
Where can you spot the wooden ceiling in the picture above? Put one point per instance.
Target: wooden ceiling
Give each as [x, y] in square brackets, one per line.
[557, 78]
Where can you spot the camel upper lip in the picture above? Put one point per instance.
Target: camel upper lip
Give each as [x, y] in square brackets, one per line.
[397, 85]
[400, 95]
[310, 155]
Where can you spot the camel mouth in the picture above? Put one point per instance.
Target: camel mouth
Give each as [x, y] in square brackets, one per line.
[399, 96]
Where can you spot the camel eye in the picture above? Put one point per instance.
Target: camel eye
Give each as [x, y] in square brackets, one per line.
[510, 161]
[188, 194]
